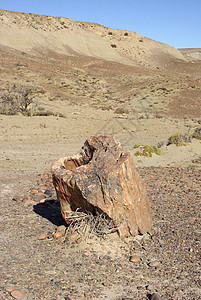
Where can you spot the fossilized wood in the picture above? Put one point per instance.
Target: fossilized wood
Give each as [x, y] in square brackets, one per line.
[103, 179]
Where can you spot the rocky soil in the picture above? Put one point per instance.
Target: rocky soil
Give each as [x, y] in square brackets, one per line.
[48, 266]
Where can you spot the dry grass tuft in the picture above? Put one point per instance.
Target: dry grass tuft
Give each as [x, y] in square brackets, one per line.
[88, 225]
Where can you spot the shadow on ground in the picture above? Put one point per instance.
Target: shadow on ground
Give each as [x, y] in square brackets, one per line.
[50, 210]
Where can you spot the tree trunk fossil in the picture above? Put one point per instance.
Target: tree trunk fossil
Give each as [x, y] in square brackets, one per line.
[103, 179]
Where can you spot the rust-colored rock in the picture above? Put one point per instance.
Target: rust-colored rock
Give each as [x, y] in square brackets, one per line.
[103, 179]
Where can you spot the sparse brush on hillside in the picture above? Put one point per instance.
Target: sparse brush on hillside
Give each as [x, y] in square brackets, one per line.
[16, 99]
[179, 139]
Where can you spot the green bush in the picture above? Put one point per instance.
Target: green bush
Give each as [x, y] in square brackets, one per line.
[147, 150]
[179, 139]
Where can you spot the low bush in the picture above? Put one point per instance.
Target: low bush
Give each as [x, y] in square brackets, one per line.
[179, 139]
[147, 150]
[197, 133]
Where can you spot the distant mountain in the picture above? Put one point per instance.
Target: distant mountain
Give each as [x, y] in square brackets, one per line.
[194, 53]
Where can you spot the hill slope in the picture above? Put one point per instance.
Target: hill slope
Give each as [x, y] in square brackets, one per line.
[74, 62]
[29, 32]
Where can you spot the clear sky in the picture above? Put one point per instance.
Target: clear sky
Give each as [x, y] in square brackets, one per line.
[174, 22]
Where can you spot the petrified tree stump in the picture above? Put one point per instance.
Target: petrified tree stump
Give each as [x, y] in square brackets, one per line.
[103, 179]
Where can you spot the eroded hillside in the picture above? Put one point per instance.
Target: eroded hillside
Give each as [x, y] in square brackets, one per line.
[89, 64]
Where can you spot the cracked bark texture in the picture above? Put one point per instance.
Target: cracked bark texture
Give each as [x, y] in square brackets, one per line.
[103, 179]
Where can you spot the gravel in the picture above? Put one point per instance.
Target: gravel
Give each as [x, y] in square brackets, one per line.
[52, 268]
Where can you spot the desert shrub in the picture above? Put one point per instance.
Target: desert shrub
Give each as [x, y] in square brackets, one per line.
[42, 112]
[113, 46]
[179, 139]
[15, 99]
[147, 150]
[126, 34]
[141, 40]
[110, 33]
[197, 133]
[136, 146]
[121, 110]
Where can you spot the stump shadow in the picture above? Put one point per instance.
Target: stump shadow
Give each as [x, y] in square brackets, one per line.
[51, 211]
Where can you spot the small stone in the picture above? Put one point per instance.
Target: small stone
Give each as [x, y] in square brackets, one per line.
[48, 193]
[43, 236]
[40, 196]
[72, 237]
[154, 264]
[10, 289]
[57, 235]
[29, 201]
[42, 200]
[18, 294]
[61, 228]
[155, 296]
[134, 258]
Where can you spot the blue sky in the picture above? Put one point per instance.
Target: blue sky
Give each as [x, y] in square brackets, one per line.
[174, 22]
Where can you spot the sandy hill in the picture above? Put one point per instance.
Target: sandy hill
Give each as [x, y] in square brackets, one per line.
[90, 64]
[30, 32]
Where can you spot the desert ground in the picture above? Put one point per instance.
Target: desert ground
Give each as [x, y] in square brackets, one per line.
[88, 79]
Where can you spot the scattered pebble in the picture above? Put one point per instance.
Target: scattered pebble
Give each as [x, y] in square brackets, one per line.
[10, 289]
[43, 236]
[61, 228]
[154, 264]
[39, 197]
[134, 258]
[18, 294]
[48, 193]
[57, 235]
[72, 237]
[42, 200]
[32, 202]
[155, 296]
